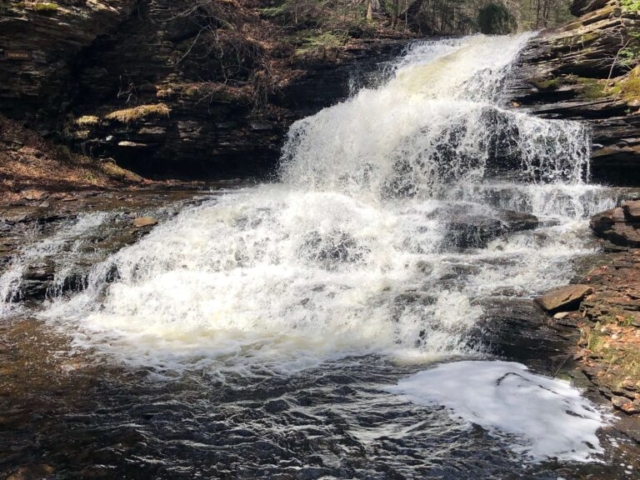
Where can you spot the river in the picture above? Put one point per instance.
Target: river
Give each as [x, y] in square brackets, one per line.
[329, 325]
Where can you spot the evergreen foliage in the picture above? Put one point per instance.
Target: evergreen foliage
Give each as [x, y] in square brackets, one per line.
[495, 19]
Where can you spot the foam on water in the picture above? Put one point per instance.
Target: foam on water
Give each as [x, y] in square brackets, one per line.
[541, 418]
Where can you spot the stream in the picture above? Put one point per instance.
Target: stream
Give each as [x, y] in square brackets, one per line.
[330, 324]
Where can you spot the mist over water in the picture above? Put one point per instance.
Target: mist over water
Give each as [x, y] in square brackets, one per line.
[358, 252]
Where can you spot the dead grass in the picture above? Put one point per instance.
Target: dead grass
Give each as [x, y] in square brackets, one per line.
[28, 161]
[86, 120]
[130, 115]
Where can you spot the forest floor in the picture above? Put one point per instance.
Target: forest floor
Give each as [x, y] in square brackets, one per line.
[30, 166]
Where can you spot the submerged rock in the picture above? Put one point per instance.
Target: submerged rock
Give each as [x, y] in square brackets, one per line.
[565, 298]
[32, 472]
[469, 227]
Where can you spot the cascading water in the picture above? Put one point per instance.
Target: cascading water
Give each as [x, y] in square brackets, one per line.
[320, 266]
[392, 222]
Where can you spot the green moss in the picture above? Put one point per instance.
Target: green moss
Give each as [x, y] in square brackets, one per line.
[615, 89]
[592, 89]
[630, 89]
[589, 37]
[46, 8]
[630, 5]
[547, 85]
[321, 43]
[63, 153]
[134, 114]
[595, 343]
[577, 39]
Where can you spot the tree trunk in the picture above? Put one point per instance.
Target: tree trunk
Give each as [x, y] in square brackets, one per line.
[394, 13]
[369, 10]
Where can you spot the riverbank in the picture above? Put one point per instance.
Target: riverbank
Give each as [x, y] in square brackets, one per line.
[606, 311]
[31, 166]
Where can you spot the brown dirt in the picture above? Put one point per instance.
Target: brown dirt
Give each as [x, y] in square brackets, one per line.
[30, 163]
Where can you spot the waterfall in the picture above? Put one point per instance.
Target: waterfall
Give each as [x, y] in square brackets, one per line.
[300, 313]
[438, 122]
[363, 248]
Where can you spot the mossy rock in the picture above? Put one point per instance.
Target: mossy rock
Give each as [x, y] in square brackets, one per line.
[592, 88]
[46, 8]
[546, 85]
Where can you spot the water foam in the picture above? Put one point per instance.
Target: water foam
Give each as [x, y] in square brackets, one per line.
[542, 418]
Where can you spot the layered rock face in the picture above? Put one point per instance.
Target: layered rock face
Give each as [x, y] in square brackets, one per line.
[38, 45]
[581, 72]
[167, 87]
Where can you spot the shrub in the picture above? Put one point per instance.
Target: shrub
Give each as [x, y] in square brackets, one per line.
[496, 19]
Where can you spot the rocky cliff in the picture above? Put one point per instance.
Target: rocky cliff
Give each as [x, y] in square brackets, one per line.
[169, 88]
[584, 71]
[208, 89]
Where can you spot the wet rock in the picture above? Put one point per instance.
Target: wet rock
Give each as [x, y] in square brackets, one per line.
[40, 271]
[425, 268]
[517, 329]
[419, 298]
[471, 228]
[142, 222]
[628, 406]
[33, 472]
[276, 406]
[332, 249]
[561, 75]
[565, 298]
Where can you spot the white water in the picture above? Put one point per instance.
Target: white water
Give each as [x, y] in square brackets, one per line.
[67, 240]
[348, 256]
[545, 418]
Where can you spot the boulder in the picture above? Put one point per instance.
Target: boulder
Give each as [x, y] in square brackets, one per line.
[565, 298]
[142, 222]
[620, 225]
[471, 227]
[631, 210]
